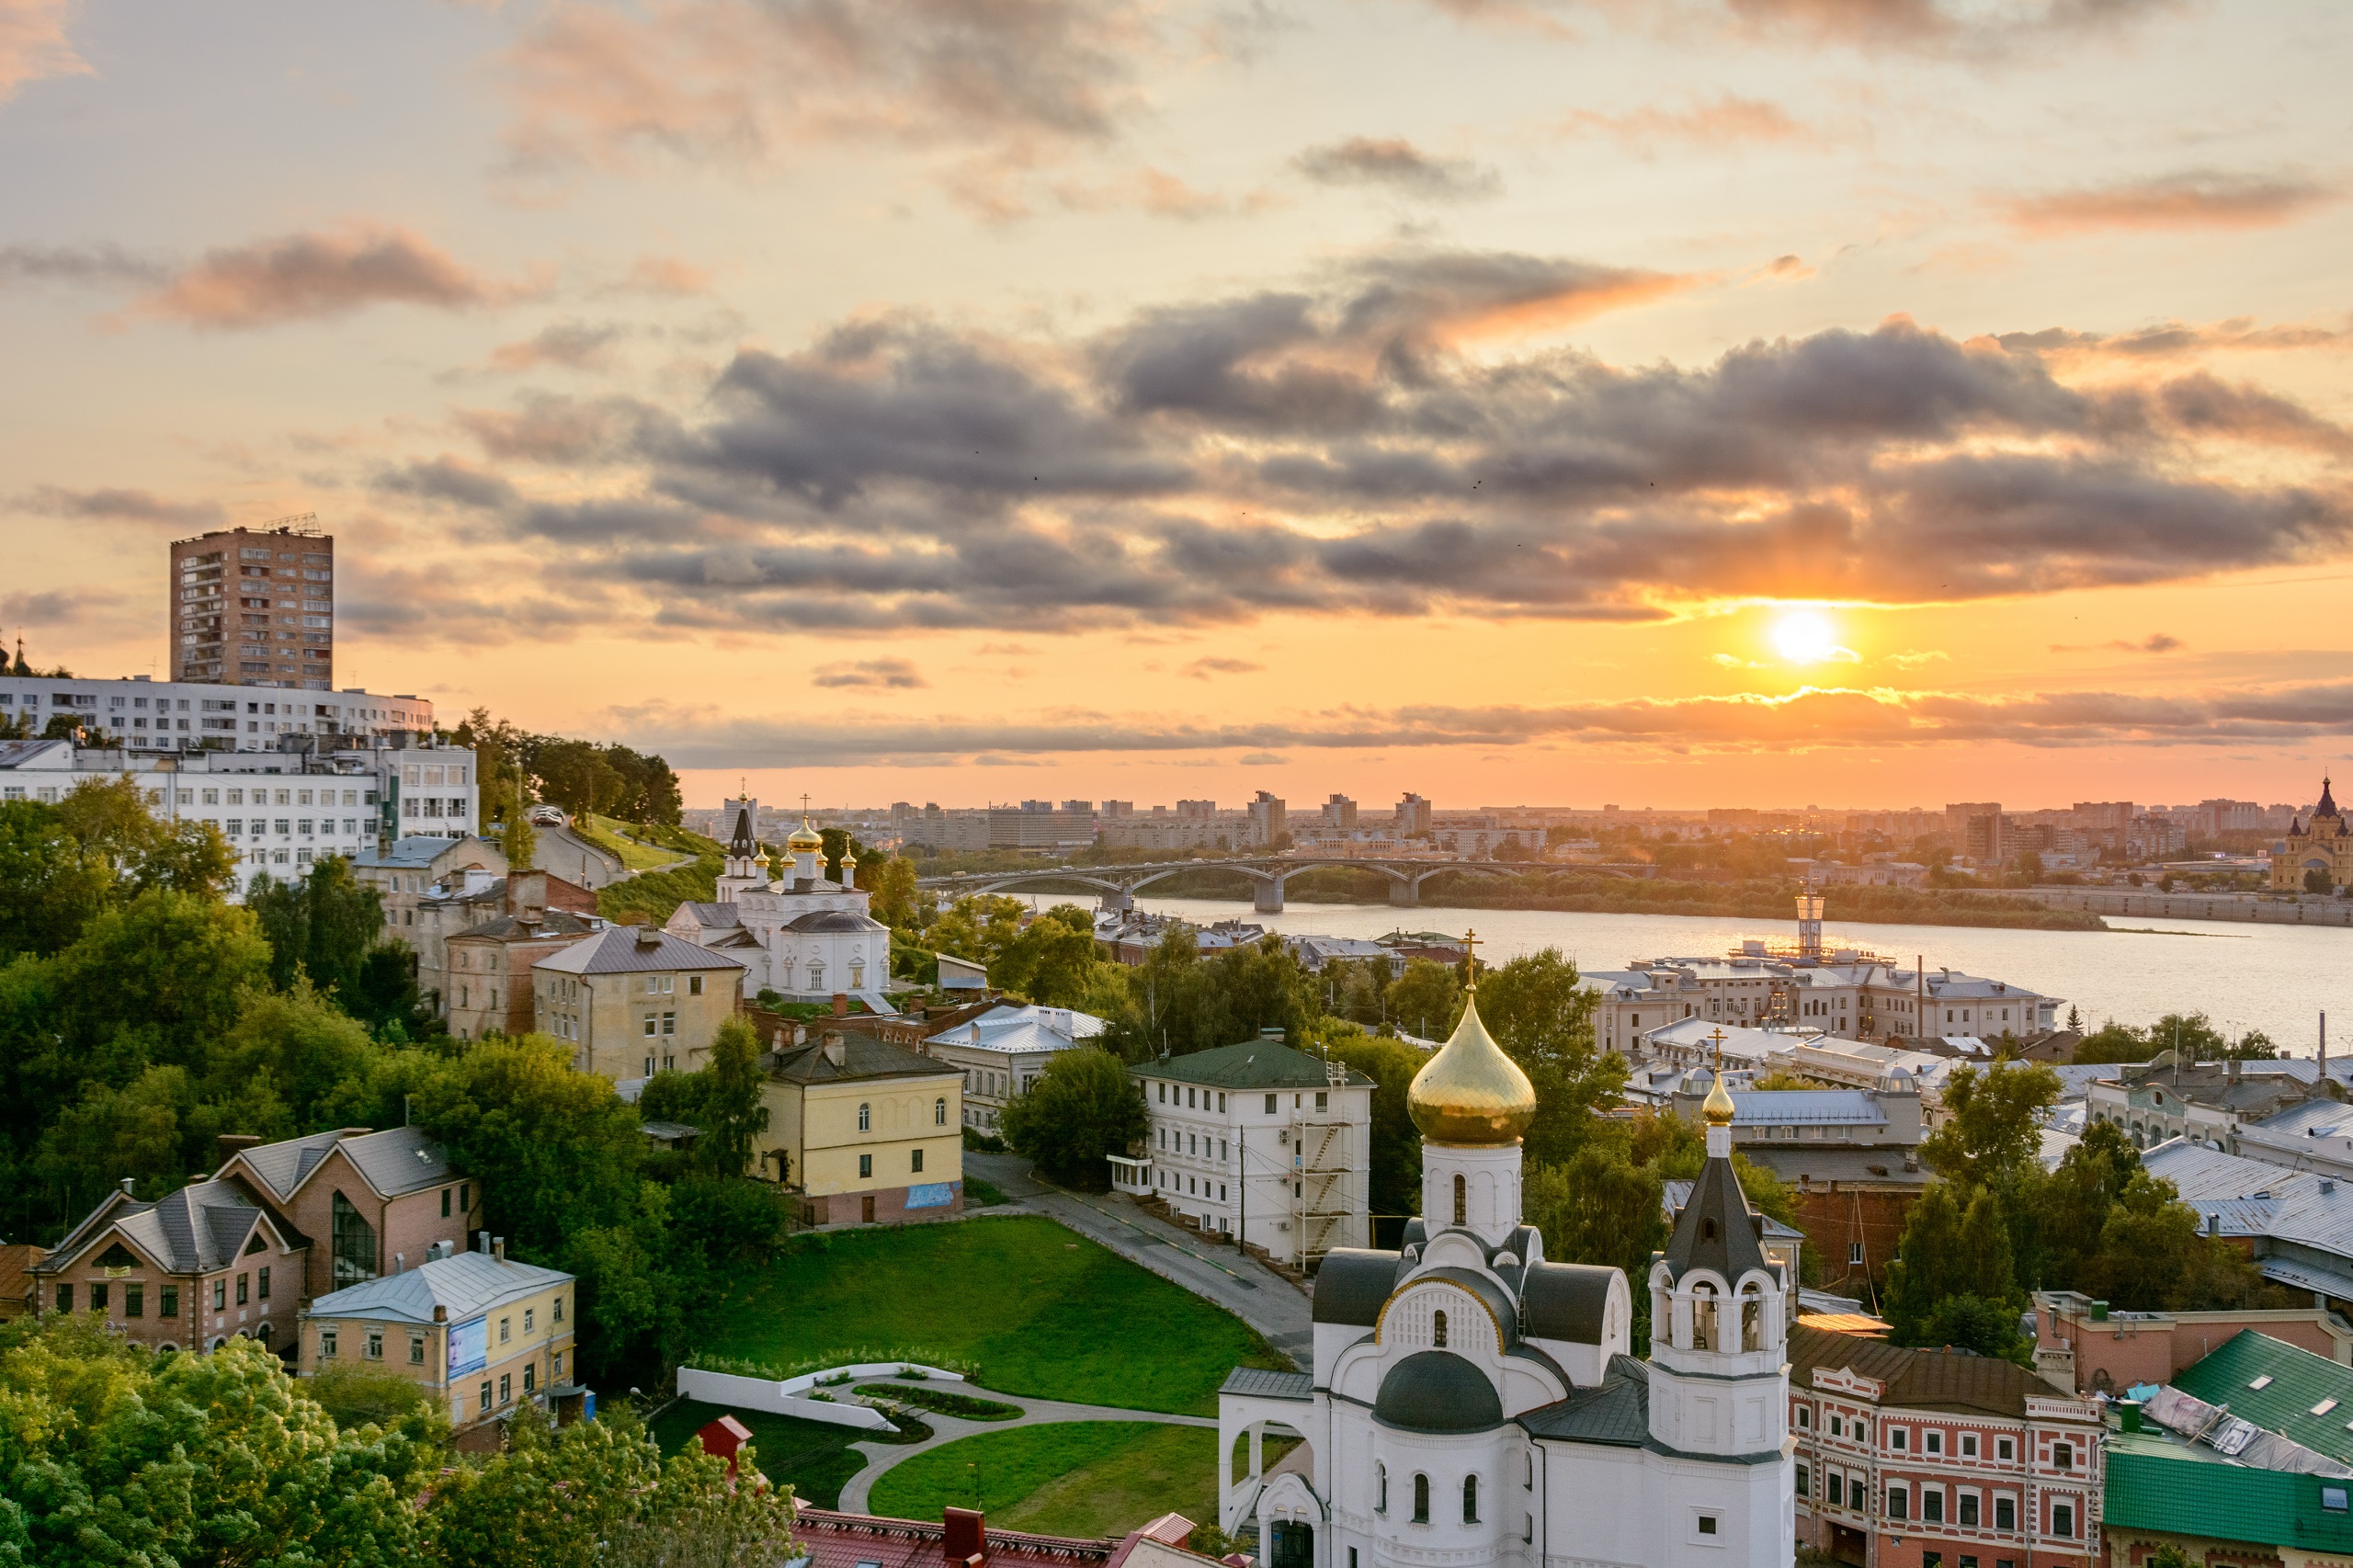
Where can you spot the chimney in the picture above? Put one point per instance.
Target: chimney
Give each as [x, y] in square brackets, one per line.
[964, 1538]
[648, 938]
[481, 1241]
[400, 1263]
[841, 1006]
[440, 1312]
[2231, 1072]
[498, 1248]
[126, 1187]
[228, 1143]
[832, 1048]
[527, 895]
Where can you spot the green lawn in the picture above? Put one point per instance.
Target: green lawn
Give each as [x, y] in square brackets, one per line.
[1081, 1478]
[1038, 1308]
[979, 1193]
[637, 856]
[811, 1457]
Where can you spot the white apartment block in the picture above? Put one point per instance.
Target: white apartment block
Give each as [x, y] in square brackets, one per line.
[1852, 1000]
[142, 715]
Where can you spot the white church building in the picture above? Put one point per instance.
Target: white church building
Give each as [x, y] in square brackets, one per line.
[799, 932]
[1474, 1405]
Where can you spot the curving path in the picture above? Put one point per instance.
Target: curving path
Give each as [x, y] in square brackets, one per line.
[883, 1458]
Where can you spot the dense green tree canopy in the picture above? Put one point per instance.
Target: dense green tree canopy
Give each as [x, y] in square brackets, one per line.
[1081, 1108]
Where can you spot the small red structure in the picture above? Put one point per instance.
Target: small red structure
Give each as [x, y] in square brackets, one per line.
[964, 1536]
[722, 1438]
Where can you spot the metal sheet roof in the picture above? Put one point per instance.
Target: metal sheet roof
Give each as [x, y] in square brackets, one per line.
[2294, 1384]
[467, 1283]
[2156, 1485]
[1252, 1064]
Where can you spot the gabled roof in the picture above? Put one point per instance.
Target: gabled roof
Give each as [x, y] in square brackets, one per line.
[618, 951]
[554, 924]
[467, 1284]
[396, 1161]
[1252, 1064]
[863, 1056]
[1916, 1380]
[204, 1226]
[711, 916]
[2295, 1382]
[416, 852]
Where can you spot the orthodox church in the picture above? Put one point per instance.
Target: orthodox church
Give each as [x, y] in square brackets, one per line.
[1473, 1404]
[797, 931]
[2322, 845]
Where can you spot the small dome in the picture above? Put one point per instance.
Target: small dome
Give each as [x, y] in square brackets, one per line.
[1437, 1390]
[1470, 1092]
[1716, 1109]
[805, 840]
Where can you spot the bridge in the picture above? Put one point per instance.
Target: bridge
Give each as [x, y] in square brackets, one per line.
[1117, 885]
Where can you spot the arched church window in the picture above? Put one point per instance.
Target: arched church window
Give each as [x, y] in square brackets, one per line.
[1438, 1330]
[816, 975]
[1380, 1489]
[940, 1111]
[1470, 1499]
[1703, 1318]
[1421, 1499]
[1752, 1321]
[857, 974]
[1462, 1200]
[865, 1117]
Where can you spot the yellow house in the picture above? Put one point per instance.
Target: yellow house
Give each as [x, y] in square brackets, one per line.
[636, 1001]
[866, 1130]
[483, 1333]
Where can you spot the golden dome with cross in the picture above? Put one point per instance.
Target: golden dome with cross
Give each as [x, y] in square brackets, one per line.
[1470, 1092]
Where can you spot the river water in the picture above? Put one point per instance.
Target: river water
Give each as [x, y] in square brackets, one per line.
[2278, 979]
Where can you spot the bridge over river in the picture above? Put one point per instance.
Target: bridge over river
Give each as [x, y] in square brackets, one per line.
[1117, 885]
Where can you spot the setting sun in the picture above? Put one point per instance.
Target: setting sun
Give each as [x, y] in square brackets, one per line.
[1805, 637]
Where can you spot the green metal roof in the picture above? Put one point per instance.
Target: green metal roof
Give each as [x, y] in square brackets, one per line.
[2156, 1485]
[2300, 1382]
[1253, 1064]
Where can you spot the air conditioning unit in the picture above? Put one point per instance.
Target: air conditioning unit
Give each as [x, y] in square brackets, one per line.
[1282, 1224]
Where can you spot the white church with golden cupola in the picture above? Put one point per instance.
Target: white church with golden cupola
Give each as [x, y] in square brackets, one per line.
[1472, 1404]
[796, 930]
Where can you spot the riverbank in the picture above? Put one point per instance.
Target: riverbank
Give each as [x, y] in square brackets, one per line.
[1569, 891]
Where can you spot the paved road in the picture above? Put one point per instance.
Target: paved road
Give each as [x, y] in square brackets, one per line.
[1245, 1286]
[883, 1458]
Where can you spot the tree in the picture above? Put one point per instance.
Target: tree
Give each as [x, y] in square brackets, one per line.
[324, 924]
[518, 840]
[1541, 1011]
[1426, 999]
[299, 1041]
[890, 882]
[1083, 1107]
[733, 1114]
[1051, 961]
[2317, 880]
[978, 927]
[1993, 1123]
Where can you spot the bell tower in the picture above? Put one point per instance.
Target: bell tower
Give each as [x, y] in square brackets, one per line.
[747, 864]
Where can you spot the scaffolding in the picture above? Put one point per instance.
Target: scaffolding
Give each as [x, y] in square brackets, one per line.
[1323, 1165]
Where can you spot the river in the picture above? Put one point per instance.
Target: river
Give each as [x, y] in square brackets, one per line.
[2277, 979]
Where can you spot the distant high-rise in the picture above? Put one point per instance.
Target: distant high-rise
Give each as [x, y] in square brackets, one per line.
[255, 607]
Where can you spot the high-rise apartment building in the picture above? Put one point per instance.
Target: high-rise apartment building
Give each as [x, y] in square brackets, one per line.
[255, 607]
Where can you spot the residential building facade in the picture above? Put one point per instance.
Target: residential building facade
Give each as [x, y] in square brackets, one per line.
[137, 714]
[481, 1332]
[864, 1130]
[255, 607]
[370, 1203]
[634, 1001]
[1932, 1459]
[188, 1272]
[1002, 1049]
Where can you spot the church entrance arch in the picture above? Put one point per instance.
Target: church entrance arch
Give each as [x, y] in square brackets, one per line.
[1293, 1544]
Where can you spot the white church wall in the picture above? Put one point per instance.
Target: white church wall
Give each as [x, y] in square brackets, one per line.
[1331, 1338]
[1595, 1502]
[1446, 1459]
[1490, 1190]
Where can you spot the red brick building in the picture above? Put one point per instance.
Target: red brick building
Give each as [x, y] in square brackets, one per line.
[1932, 1459]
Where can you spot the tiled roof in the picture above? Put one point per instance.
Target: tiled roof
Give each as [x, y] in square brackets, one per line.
[202, 1226]
[863, 1056]
[2295, 1383]
[1916, 1380]
[399, 1160]
[414, 852]
[834, 1540]
[1252, 1064]
[467, 1284]
[2155, 1485]
[1616, 1412]
[1674, 1195]
[619, 951]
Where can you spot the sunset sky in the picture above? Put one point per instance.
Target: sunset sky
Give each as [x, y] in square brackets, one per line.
[1661, 402]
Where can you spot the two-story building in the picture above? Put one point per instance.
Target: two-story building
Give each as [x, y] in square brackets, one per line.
[189, 1272]
[636, 1001]
[1003, 1048]
[1935, 1459]
[865, 1131]
[1260, 1143]
[480, 1330]
[2205, 1102]
[370, 1202]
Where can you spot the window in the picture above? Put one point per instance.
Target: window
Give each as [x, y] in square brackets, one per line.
[1462, 1200]
[1470, 1499]
[2263, 1381]
[1967, 1508]
[865, 1164]
[529, 1379]
[170, 1305]
[1271, 1105]
[2005, 1513]
[261, 1285]
[2062, 1456]
[353, 1244]
[326, 1344]
[1896, 1438]
[865, 1117]
[1164, 1095]
[1934, 1442]
[505, 1330]
[914, 1159]
[669, 1020]
[652, 1025]
[221, 1295]
[134, 1300]
[1932, 1560]
[466, 1198]
[1932, 1505]
[97, 1296]
[1804, 1481]
[416, 1351]
[1805, 1415]
[506, 1387]
[1969, 1445]
[2063, 1517]
[1899, 1503]
[444, 1203]
[375, 1345]
[694, 985]
[2323, 1407]
[1838, 1426]
[555, 1310]
[1438, 1330]
[2005, 1449]
[530, 1319]
[244, 1281]
[1854, 1255]
[2333, 1499]
[485, 1396]
[940, 1111]
[1421, 1498]
[1380, 1489]
[1834, 1488]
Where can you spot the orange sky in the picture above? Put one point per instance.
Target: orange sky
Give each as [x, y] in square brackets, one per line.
[1078, 400]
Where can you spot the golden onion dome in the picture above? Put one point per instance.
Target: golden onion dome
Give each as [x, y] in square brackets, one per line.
[1716, 1110]
[805, 839]
[1470, 1092]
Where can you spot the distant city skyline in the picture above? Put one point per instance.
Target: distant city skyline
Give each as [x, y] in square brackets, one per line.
[1709, 401]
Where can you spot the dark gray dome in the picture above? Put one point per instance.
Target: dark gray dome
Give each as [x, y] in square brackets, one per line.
[835, 920]
[1437, 1390]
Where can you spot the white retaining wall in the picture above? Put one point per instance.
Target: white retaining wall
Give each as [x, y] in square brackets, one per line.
[793, 1396]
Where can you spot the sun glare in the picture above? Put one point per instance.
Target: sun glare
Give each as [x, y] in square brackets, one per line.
[1805, 637]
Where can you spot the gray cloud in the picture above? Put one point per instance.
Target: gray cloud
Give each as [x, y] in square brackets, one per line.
[104, 264]
[896, 674]
[2205, 199]
[1812, 719]
[1202, 669]
[318, 275]
[1332, 451]
[1394, 164]
[119, 504]
[569, 344]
